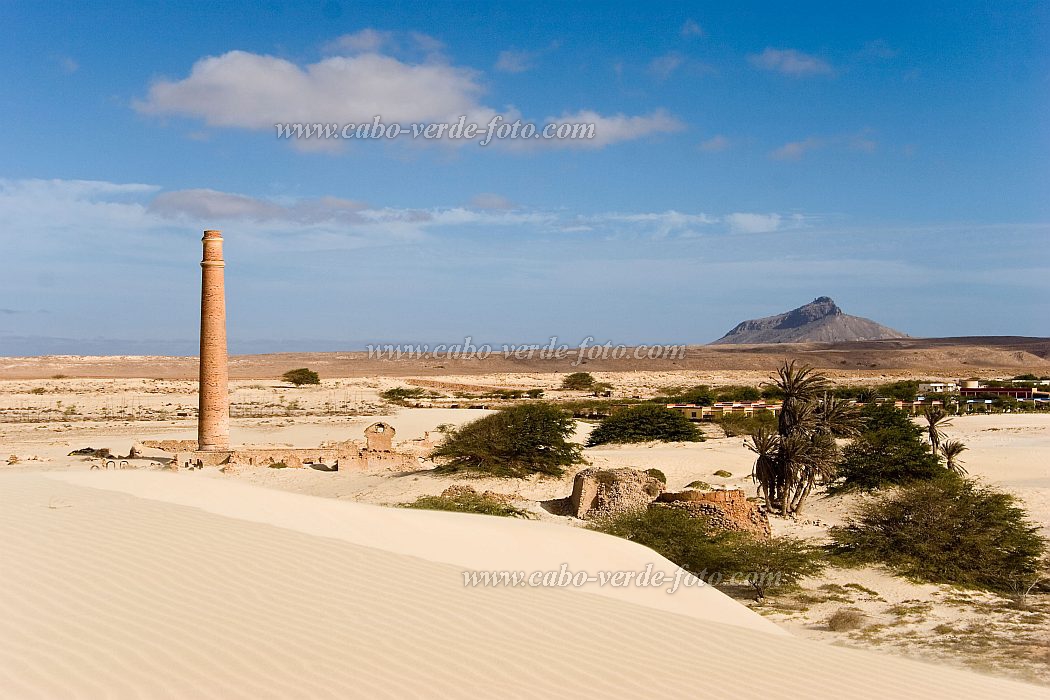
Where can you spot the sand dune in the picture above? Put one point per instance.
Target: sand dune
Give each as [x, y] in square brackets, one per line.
[109, 594]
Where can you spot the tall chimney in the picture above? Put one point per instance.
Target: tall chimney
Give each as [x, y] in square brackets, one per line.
[213, 415]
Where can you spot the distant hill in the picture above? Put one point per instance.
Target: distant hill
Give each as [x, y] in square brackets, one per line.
[820, 321]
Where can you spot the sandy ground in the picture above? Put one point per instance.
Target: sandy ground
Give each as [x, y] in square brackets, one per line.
[934, 623]
[160, 594]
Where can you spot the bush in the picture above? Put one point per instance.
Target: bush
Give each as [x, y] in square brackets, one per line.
[737, 392]
[730, 557]
[301, 376]
[950, 530]
[846, 619]
[905, 390]
[469, 501]
[514, 442]
[738, 424]
[699, 395]
[723, 473]
[884, 458]
[698, 485]
[658, 475]
[578, 381]
[645, 422]
[400, 394]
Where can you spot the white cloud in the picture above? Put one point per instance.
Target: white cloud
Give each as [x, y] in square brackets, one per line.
[612, 129]
[753, 223]
[663, 66]
[715, 144]
[364, 41]
[791, 62]
[252, 91]
[511, 61]
[692, 28]
[488, 200]
[67, 64]
[794, 150]
[213, 205]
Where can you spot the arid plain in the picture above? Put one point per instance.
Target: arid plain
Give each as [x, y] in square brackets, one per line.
[52, 406]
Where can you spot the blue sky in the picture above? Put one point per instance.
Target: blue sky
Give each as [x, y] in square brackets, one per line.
[747, 158]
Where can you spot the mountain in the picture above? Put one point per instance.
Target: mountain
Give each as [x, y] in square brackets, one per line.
[820, 321]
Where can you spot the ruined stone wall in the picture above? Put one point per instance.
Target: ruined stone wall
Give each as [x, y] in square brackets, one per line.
[726, 509]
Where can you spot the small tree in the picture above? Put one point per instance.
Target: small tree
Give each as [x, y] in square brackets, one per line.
[578, 381]
[527, 439]
[645, 422]
[301, 376]
[950, 530]
[936, 419]
[887, 457]
[950, 450]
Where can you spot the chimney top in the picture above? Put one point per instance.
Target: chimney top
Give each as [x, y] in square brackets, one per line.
[212, 233]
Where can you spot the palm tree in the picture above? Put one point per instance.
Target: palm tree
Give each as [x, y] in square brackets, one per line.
[764, 444]
[951, 449]
[803, 451]
[936, 418]
[838, 417]
[800, 385]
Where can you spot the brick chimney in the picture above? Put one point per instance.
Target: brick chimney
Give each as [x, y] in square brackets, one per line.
[213, 416]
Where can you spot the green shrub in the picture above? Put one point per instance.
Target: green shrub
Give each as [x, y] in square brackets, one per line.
[698, 485]
[737, 392]
[885, 458]
[578, 381]
[658, 475]
[645, 422]
[278, 465]
[700, 395]
[905, 390]
[723, 473]
[400, 394]
[734, 424]
[301, 376]
[729, 557]
[514, 442]
[468, 501]
[950, 530]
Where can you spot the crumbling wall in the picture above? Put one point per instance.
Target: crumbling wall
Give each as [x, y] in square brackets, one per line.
[724, 509]
[598, 493]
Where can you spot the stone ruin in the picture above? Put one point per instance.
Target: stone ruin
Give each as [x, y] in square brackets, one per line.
[599, 493]
[376, 453]
[724, 509]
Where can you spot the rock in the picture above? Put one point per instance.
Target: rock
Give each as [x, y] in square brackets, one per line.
[724, 509]
[598, 493]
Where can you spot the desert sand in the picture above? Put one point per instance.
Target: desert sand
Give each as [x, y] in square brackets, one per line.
[292, 582]
[108, 594]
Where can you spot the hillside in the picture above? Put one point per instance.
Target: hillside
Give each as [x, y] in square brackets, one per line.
[820, 321]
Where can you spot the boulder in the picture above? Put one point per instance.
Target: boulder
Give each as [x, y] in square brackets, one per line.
[598, 493]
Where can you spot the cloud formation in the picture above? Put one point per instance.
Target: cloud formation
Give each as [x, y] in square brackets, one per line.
[245, 90]
[790, 62]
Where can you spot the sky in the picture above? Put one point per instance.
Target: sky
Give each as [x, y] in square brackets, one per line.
[746, 158]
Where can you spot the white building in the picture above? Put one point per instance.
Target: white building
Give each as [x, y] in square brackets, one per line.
[938, 388]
